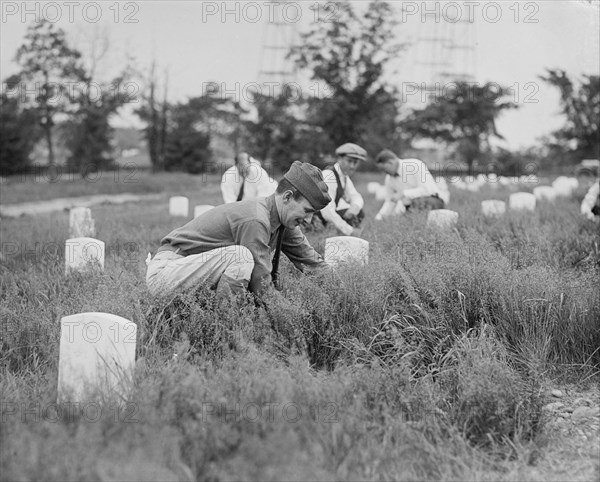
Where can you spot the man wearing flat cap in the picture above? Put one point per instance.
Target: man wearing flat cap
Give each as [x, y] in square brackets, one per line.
[232, 245]
[344, 211]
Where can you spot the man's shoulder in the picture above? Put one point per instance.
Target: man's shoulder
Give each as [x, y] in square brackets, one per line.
[250, 210]
[228, 174]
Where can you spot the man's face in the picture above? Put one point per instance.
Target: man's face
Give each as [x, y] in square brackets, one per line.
[295, 213]
[389, 167]
[243, 164]
[348, 164]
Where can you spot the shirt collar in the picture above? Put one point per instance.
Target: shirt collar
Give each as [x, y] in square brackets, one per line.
[273, 213]
[340, 172]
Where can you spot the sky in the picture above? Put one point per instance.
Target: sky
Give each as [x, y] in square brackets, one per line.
[507, 42]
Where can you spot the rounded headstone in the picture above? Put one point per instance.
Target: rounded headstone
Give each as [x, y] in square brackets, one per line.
[96, 357]
[340, 249]
[522, 201]
[442, 218]
[564, 186]
[82, 254]
[201, 209]
[545, 192]
[179, 206]
[493, 207]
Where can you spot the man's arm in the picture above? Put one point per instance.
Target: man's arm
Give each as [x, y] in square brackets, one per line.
[298, 250]
[391, 199]
[328, 212]
[355, 198]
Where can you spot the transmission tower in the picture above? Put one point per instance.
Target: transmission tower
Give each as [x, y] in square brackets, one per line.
[443, 52]
[279, 35]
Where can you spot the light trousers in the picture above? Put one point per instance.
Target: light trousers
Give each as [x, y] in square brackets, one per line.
[230, 267]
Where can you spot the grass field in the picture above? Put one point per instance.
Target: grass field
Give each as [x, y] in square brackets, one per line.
[431, 363]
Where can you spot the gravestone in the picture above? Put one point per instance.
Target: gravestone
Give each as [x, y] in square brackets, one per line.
[524, 201]
[442, 218]
[493, 207]
[545, 192]
[564, 186]
[372, 187]
[339, 249]
[179, 206]
[96, 357]
[82, 254]
[460, 184]
[201, 209]
[81, 223]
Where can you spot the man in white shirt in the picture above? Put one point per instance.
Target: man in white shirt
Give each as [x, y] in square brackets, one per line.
[344, 211]
[246, 180]
[408, 185]
[590, 206]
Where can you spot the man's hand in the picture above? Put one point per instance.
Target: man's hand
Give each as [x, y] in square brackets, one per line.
[356, 232]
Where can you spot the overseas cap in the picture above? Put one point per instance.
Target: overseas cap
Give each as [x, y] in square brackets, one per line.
[352, 150]
[308, 179]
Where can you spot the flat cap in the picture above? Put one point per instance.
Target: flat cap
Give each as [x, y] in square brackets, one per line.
[308, 179]
[352, 150]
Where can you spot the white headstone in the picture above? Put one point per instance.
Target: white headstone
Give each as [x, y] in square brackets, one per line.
[545, 192]
[493, 207]
[96, 358]
[346, 248]
[81, 223]
[442, 218]
[522, 201]
[82, 254]
[493, 180]
[564, 186]
[459, 184]
[372, 187]
[179, 206]
[201, 209]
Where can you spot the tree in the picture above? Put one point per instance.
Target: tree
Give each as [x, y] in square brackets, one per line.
[155, 113]
[89, 131]
[49, 66]
[19, 131]
[580, 136]
[463, 117]
[187, 146]
[280, 135]
[348, 57]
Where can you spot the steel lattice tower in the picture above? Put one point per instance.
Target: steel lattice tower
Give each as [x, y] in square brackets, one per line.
[279, 35]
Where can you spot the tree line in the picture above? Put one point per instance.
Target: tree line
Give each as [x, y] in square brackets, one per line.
[348, 57]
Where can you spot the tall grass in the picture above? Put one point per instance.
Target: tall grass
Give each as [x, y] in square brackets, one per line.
[429, 363]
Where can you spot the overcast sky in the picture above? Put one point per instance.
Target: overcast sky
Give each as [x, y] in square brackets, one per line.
[512, 43]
